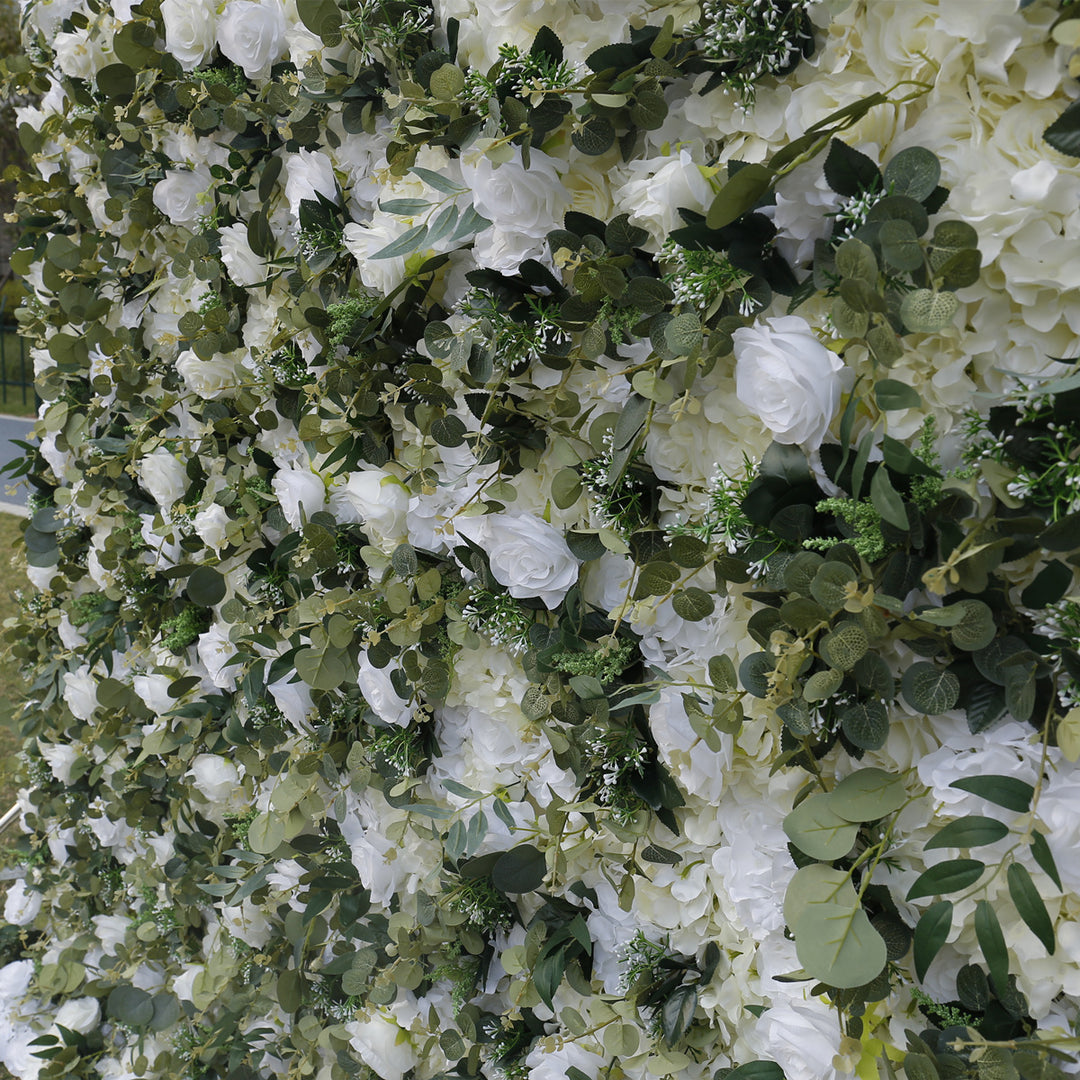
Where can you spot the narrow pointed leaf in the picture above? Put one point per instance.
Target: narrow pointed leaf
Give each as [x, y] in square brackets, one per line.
[1030, 904]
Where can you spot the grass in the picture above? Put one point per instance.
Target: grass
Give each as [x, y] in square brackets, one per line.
[15, 399]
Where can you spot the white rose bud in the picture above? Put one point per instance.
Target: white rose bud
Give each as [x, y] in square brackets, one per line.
[787, 377]
[80, 692]
[298, 489]
[190, 30]
[308, 172]
[210, 525]
[526, 555]
[380, 694]
[164, 476]
[244, 266]
[252, 35]
[377, 500]
[21, 905]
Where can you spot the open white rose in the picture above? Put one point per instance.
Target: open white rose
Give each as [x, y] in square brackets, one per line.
[380, 1045]
[526, 555]
[375, 499]
[523, 206]
[79, 1014]
[190, 30]
[209, 379]
[252, 35]
[784, 375]
[178, 195]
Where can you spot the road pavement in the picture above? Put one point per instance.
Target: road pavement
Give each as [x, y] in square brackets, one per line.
[13, 427]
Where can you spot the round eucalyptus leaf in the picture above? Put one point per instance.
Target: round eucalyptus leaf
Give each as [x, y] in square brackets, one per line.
[868, 795]
[914, 172]
[754, 673]
[866, 724]
[929, 689]
[818, 831]
[845, 646]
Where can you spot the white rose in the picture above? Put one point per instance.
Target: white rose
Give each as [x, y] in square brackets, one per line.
[79, 54]
[111, 931]
[362, 241]
[79, 1014]
[214, 777]
[190, 30]
[180, 196]
[379, 1045]
[60, 757]
[215, 651]
[523, 206]
[308, 172]
[299, 489]
[375, 499]
[802, 1039]
[380, 694]
[209, 379]
[164, 476]
[252, 35]
[210, 525]
[526, 555]
[244, 266]
[80, 692]
[654, 194]
[784, 375]
[20, 905]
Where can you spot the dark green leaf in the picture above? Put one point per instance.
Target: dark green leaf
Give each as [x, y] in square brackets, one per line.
[930, 934]
[913, 172]
[754, 673]
[972, 988]
[992, 943]
[968, 832]
[677, 1013]
[1040, 849]
[1064, 133]
[928, 689]
[1050, 585]
[946, 877]
[886, 500]
[131, 1006]
[206, 586]
[866, 724]
[656, 854]
[519, 870]
[849, 172]
[1004, 791]
[693, 604]
[756, 1070]
[892, 394]
[1030, 904]
[740, 194]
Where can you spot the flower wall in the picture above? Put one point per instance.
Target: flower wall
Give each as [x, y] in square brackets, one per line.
[553, 541]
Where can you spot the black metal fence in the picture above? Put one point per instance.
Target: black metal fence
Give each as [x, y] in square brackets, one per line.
[16, 367]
